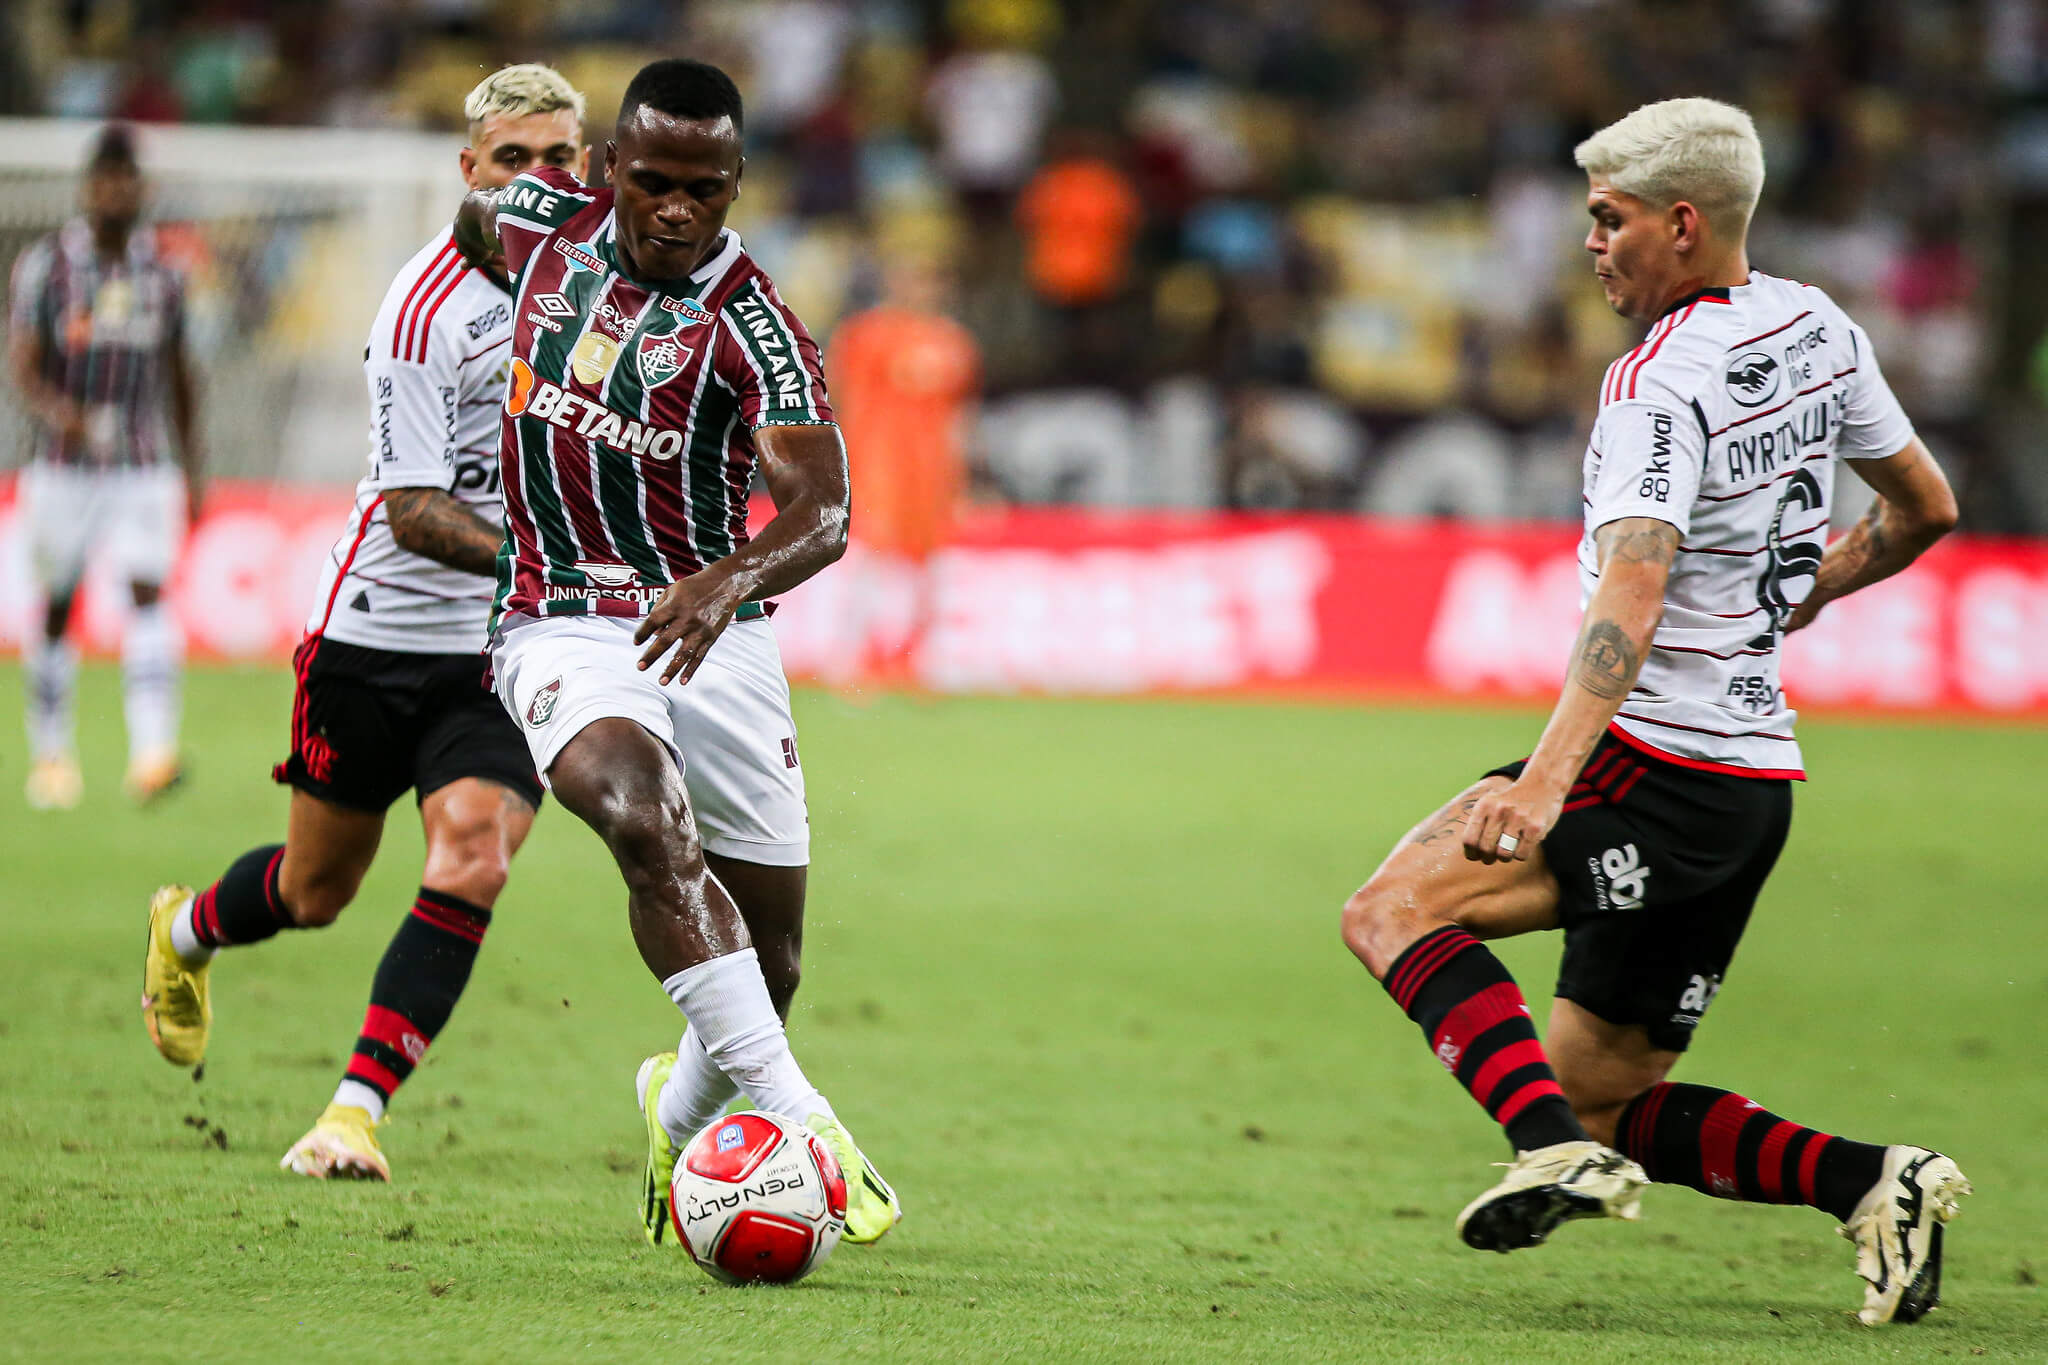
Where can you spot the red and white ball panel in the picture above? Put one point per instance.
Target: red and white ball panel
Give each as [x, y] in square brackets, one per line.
[758, 1197]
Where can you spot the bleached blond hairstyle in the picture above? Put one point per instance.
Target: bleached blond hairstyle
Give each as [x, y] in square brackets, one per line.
[526, 88]
[1699, 150]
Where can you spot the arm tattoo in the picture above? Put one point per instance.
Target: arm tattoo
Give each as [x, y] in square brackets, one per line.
[1607, 661]
[427, 521]
[1874, 534]
[1454, 819]
[1638, 540]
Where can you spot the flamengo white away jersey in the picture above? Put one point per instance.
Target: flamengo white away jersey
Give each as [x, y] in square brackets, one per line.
[436, 362]
[1726, 423]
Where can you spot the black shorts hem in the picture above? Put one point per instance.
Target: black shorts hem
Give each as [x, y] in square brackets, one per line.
[287, 774]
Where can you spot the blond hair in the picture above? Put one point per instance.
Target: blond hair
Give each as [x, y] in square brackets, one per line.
[1697, 150]
[519, 90]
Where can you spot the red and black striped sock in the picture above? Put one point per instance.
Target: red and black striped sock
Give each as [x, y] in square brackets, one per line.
[415, 989]
[1719, 1143]
[244, 905]
[1479, 1027]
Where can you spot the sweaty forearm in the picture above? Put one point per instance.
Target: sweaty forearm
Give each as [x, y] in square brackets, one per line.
[804, 538]
[429, 522]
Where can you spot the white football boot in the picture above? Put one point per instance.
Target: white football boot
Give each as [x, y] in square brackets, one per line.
[1897, 1232]
[1548, 1186]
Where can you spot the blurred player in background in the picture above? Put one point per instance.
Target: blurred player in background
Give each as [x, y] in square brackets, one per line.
[391, 690]
[655, 370]
[96, 343]
[904, 376]
[1655, 804]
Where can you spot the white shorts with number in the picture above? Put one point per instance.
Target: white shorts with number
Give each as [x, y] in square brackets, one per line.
[134, 516]
[729, 727]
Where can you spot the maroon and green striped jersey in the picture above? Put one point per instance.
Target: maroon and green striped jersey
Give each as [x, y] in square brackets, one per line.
[104, 330]
[628, 438]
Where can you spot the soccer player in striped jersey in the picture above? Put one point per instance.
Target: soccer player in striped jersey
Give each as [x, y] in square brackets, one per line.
[655, 371]
[1659, 796]
[96, 347]
[391, 692]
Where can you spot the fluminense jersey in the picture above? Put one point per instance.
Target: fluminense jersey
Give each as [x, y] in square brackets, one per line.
[628, 434]
[1726, 423]
[105, 330]
[436, 365]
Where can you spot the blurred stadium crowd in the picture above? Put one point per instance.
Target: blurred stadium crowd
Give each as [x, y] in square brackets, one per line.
[1244, 253]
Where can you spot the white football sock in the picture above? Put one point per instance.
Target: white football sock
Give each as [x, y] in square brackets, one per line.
[362, 1097]
[152, 652]
[185, 939]
[52, 679]
[697, 1091]
[726, 1003]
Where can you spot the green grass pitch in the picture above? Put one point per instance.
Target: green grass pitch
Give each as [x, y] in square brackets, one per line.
[1074, 979]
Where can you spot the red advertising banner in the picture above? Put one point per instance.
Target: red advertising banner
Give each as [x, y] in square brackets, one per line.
[1072, 601]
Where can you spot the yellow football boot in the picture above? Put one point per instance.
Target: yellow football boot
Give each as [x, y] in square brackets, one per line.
[342, 1146]
[871, 1206]
[661, 1149]
[174, 1004]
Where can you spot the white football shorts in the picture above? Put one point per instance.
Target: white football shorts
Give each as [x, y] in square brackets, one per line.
[729, 727]
[135, 517]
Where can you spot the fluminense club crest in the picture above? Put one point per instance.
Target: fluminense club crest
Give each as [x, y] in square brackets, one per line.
[661, 359]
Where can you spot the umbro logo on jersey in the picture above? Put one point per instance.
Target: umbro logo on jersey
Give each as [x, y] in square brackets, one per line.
[686, 310]
[554, 305]
[578, 258]
[1753, 379]
[660, 359]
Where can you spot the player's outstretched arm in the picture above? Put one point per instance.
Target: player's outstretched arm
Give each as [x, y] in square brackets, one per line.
[1635, 563]
[805, 466]
[431, 522]
[476, 231]
[1915, 507]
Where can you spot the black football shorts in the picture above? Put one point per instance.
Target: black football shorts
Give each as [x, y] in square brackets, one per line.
[369, 723]
[1658, 867]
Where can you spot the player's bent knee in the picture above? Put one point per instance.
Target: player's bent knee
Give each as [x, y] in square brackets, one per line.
[1379, 921]
[653, 842]
[320, 904]
[468, 857]
[476, 874]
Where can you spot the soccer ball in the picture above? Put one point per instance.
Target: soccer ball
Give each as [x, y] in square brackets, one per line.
[758, 1197]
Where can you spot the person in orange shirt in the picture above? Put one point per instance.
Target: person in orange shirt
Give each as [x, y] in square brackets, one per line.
[904, 377]
[1080, 217]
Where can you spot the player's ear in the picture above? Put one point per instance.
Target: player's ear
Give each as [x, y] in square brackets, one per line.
[1686, 225]
[583, 165]
[611, 162]
[737, 172]
[469, 167]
